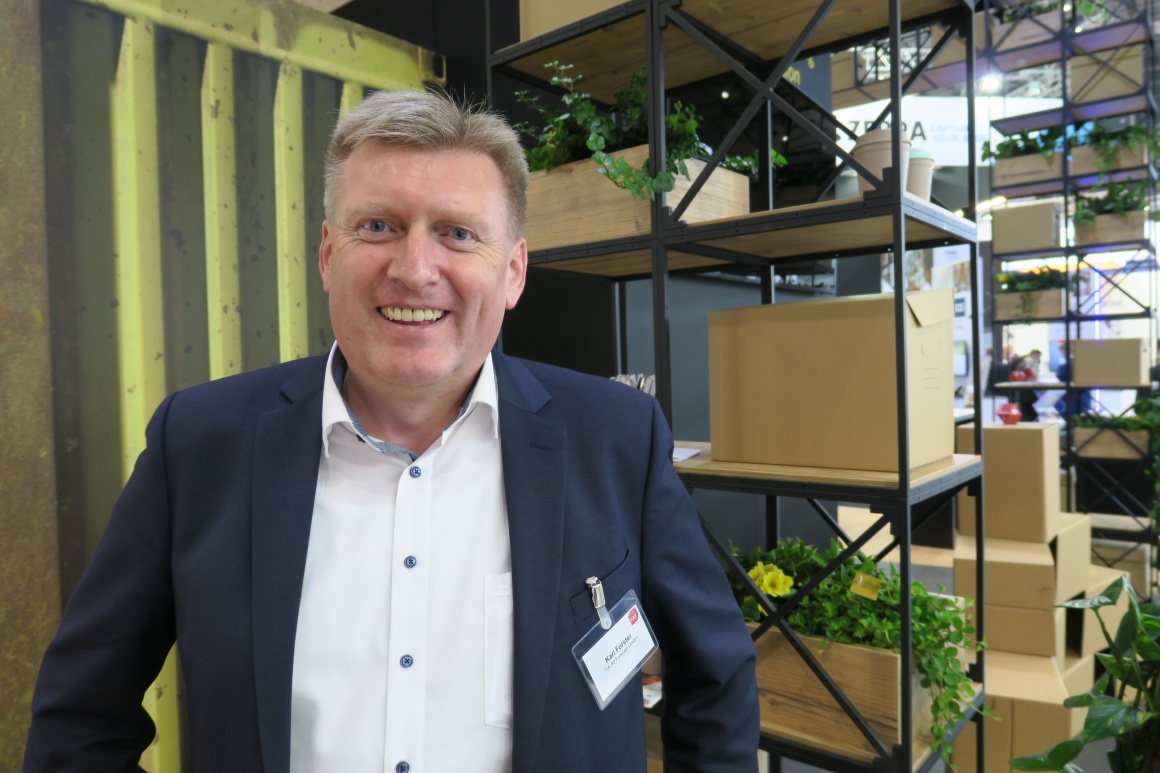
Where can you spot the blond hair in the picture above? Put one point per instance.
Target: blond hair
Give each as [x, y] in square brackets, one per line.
[422, 120]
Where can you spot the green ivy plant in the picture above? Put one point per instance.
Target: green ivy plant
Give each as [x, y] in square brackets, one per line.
[1027, 282]
[578, 130]
[1124, 704]
[1046, 142]
[1108, 143]
[1120, 199]
[832, 612]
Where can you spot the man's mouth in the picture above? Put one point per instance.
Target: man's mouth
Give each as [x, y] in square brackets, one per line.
[399, 314]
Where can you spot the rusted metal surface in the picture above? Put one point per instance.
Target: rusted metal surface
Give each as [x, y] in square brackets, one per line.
[29, 568]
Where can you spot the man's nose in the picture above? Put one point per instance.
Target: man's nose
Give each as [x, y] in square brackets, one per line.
[415, 263]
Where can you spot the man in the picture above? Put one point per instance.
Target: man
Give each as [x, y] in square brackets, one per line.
[377, 560]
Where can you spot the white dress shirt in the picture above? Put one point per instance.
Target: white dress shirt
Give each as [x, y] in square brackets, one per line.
[403, 654]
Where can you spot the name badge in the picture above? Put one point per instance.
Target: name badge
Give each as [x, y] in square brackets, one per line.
[611, 653]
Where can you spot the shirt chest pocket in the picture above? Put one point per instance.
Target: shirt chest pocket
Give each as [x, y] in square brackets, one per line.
[498, 649]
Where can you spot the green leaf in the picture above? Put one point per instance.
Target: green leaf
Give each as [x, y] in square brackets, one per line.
[1056, 758]
[1108, 717]
[1112, 665]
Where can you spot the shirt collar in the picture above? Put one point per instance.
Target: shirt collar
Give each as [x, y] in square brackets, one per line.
[336, 411]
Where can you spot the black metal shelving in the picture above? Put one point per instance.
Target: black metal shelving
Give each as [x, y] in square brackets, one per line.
[1131, 24]
[889, 221]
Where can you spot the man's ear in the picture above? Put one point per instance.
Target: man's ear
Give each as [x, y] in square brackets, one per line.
[517, 271]
[324, 252]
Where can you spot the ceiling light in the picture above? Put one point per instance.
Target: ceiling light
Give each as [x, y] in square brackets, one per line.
[1067, 8]
[990, 83]
[724, 95]
[785, 138]
[1078, 28]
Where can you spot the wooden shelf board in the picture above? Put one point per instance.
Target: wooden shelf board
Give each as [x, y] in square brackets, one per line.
[704, 464]
[633, 263]
[606, 57]
[873, 232]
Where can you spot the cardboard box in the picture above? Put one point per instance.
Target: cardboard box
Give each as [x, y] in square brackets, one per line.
[1084, 636]
[1040, 632]
[1019, 574]
[1113, 229]
[1072, 551]
[998, 739]
[1037, 690]
[1100, 443]
[1038, 304]
[1020, 487]
[1089, 80]
[1029, 575]
[538, 17]
[1113, 362]
[1131, 557]
[813, 383]
[1079, 673]
[1026, 227]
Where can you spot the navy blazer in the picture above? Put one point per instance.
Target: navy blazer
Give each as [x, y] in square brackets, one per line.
[207, 546]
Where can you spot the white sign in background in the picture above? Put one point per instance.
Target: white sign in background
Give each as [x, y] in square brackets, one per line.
[939, 124]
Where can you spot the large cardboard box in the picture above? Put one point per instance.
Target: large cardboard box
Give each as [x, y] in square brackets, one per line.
[1019, 574]
[1072, 551]
[1113, 362]
[1089, 80]
[1026, 227]
[1132, 557]
[1079, 673]
[997, 741]
[1084, 636]
[1040, 632]
[1020, 481]
[538, 17]
[813, 383]
[1028, 575]
[1037, 690]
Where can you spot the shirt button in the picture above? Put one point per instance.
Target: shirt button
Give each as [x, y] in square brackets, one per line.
[410, 562]
[415, 473]
[402, 767]
[406, 661]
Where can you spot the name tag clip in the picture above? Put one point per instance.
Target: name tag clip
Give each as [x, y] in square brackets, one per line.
[597, 589]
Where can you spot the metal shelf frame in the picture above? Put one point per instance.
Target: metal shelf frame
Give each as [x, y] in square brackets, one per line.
[902, 507]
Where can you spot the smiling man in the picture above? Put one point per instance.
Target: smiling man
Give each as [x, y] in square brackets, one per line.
[413, 554]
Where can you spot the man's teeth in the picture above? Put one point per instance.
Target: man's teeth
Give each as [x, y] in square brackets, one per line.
[398, 314]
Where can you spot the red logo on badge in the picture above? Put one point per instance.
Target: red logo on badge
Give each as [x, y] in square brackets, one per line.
[633, 616]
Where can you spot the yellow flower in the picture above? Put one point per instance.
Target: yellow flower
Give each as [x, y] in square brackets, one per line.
[772, 581]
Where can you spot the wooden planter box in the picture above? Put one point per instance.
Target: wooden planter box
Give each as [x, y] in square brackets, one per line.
[1109, 229]
[574, 204]
[1044, 304]
[795, 705]
[1027, 169]
[1098, 443]
[1085, 160]
[1089, 81]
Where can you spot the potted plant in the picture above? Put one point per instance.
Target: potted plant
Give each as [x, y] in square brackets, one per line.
[1119, 215]
[1028, 295]
[576, 145]
[1096, 149]
[1111, 437]
[1026, 157]
[855, 632]
[1124, 704]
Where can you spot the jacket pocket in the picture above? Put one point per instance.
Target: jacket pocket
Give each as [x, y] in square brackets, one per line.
[616, 583]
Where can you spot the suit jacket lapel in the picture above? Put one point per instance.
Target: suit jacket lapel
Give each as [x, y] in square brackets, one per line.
[287, 445]
[534, 462]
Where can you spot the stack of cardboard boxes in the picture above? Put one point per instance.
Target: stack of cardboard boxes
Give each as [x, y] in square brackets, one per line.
[1036, 557]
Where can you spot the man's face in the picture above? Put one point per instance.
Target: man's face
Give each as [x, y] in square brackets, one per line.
[420, 267]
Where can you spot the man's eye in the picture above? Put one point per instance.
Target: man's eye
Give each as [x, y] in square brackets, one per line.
[460, 234]
[377, 226]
